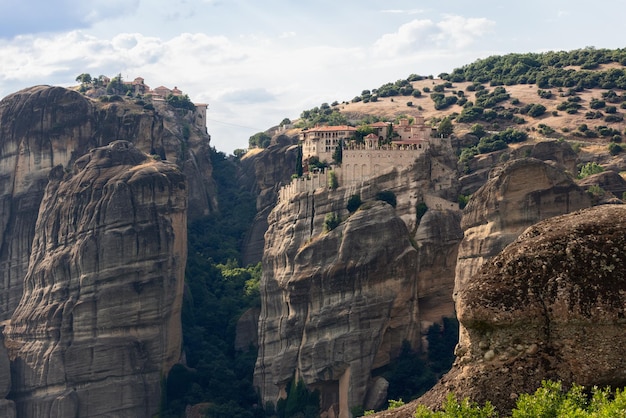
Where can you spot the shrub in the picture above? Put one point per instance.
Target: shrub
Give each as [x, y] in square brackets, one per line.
[511, 135]
[597, 104]
[613, 118]
[589, 169]
[331, 221]
[332, 180]
[550, 400]
[536, 110]
[387, 196]
[354, 202]
[614, 148]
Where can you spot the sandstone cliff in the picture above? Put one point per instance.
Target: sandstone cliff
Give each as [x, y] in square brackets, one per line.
[550, 306]
[517, 195]
[98, 324]
[42, 127]
[337, 305]
[263, 174]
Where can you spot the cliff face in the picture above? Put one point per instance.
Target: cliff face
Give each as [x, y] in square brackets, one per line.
[42, 127]
[517, 195]
[98, 324]
[263, 174]
[337, 305]
[551, 305]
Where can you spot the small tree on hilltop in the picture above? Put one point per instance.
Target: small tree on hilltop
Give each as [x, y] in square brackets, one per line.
[84, 78]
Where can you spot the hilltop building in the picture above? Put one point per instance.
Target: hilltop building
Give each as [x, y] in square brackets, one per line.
[322, 141]
[389, 145]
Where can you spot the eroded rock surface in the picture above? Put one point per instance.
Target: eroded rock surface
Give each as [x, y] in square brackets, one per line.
[337, 305]
[42, 127]
[517, 195]
[343, 297]
[263, 174]
[552, 305]
[98, 324]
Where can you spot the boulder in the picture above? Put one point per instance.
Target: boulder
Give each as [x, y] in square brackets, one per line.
[550, 306]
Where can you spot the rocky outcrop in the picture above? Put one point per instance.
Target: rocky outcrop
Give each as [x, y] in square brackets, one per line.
[550, 306]
[337, 305]
[42, 127]
[98, 324]
[517, 195]
[558, 153]
[263, 173]
[609, 181]
[341, 307]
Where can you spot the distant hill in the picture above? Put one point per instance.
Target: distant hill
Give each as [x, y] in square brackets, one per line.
[577, 95]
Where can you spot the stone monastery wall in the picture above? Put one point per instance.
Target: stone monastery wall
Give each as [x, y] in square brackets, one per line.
[361, 163]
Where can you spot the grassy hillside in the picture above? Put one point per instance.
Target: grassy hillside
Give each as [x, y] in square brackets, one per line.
[577, 95]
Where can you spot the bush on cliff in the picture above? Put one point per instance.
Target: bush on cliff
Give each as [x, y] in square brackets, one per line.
[354, 202]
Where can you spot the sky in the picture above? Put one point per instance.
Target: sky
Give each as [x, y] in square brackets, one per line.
[256, 62]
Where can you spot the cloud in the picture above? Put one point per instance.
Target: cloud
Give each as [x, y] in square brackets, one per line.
[409, 37]
[402, 11]
[39, 16]
[459, 32]
[248, 96]
[452, 32]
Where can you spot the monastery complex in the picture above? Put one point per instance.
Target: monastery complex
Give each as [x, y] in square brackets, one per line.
[389, 145]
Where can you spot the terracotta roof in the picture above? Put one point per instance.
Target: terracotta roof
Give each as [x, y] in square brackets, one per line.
[332, 128]
[372, 136]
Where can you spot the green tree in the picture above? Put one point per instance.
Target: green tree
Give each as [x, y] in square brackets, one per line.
[299, 161]
[84, 78]
[445, 127]
[333, 183]
[331, 221]
[478, 130]
[180, 102]
[259, 140]
[338, 153]
[354, 202]
[614, 148]
[589, 168]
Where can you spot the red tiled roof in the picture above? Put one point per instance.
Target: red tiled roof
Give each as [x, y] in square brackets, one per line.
[331, 128]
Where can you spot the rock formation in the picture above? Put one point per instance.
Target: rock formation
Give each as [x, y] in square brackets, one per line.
[42, 127]
[263, 173]
[337, 305]
[609, 181]
[98, 324]
[349, 299]
[550, 306]
[558, 153]
[517, 195]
